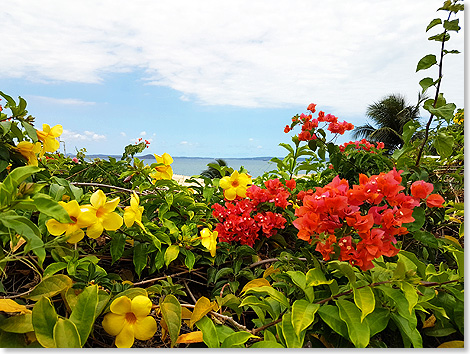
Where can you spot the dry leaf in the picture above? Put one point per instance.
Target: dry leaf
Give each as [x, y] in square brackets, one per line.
[191, 337]
[8, 305]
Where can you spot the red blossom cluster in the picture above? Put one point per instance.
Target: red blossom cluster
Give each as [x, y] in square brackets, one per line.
[335, 208]
[243, 221]
[363, 145]
[309, 124]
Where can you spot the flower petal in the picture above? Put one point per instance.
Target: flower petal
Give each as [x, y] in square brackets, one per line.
[121, 305]
[145, 328]
[112, 221]
[167, 159]
[86, 218]
[72, 207]
[56, 228]
[129, 217]
[125, 339]
[76, 236]
[134, 200]
[56, 130]
[141, 306]
[113, 323]
[111, 205]
[225, 183]
[230, 194]
[95, 230]
[98, 199]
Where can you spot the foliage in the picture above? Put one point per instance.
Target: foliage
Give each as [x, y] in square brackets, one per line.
[365, 252]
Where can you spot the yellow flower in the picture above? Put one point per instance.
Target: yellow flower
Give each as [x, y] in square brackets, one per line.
[235, 185]
[48, 137]
[79, 218]
[209, 240]
[164, 171]
[29, 151]
[133, 213]
[129, 319]
[107, 219]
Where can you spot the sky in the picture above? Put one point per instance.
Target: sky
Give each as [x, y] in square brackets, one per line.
[213, 78]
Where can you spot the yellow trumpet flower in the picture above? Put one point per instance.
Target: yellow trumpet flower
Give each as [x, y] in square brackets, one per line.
[235, 185]
[133, 213]
[209, 240]
[48, 137]
[164, 171]
[29, 151]
[107, 219]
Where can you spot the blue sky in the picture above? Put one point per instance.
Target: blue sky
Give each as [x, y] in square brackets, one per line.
[212, 78]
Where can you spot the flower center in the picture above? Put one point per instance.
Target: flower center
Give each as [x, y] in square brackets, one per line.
[100, 212]
[130, 318]
[235, 184]
[74, 219]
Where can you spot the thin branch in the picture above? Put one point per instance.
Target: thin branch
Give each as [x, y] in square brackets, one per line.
[91, 184]
[166, 276]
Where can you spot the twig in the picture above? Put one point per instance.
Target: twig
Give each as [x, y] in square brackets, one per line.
[164, 277]
[189, 291]
[270, 260]
[91, 184]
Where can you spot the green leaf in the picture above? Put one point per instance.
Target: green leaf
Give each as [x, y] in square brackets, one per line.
[189, 260]
[209, 332]
[237, 339]
[459, 257]
[49, 287]
[18, 324]
[28, 230]
[171, 312]
[45, 204]
[267, 344]
[378, 320]
[171, 254]
[44, 319]
[365, 300]
[30, 131]
[444, 144]
[83, 313]
[316, 277]
[452, 25]
[330, 315]
[278, 296]
[425, 84]
[411, 295]
[445, 111]
[201, 308]
[359, 332]
[139, 257]
[290, 337]
[409, 333]
[53, 268]
[116, 246]
[426, 62]
[345, 269]
[303, 315]
[222, 273]
[13, 180]
[66, 334]
[420, 218]
[435, 22]
[426, 238]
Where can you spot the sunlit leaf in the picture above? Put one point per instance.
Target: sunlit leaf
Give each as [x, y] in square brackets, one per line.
[171, 312]
[10, 306]
[191, 337]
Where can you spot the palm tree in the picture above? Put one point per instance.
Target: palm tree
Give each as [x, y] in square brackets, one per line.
[212, 172]
[390, 114]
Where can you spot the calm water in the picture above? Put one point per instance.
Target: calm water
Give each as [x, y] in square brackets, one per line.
[194, 166]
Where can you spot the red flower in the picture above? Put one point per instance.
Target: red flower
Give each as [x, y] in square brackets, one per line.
[287, 129]
[291, 184]
[311, 107]
[326, 248]
[434, 200]
[421, 189]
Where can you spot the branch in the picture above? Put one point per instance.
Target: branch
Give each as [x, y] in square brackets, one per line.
[164, 277]
[91, 184]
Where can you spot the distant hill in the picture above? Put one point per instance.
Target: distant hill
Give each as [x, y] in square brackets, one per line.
[150, 156]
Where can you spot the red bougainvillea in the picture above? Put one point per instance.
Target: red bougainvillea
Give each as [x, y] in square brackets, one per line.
[368, 233]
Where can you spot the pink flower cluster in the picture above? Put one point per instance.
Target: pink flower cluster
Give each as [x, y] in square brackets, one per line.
[243, 220]
[362, 145]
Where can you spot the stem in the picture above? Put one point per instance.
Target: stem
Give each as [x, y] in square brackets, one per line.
[91, 184]
[428, 125]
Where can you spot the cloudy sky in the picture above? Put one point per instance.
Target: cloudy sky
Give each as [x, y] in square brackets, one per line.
[213, 78]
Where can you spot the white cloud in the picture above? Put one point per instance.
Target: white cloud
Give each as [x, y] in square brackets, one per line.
[339, 54]
[123, 134]
[62, 101]
[68, 135]
[144, 133]
[184, 143]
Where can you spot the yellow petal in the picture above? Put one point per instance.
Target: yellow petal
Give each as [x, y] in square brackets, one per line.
[113, 323]
[244, 179]
[158, 158]
[145, 328]
[112, 221]
[98, 199]
[129, 217]
[141, 306]
[46, 128]
[72, 207]
[76, 236]
[167, 159]
[134, 200]
[241, 191]
[86, 218]
[95, 230]
[234, 176]
[56, 130]
[225, 182]
[230, 194]
[121, 305]
[125, 339]
[111, 205]
[56, 228]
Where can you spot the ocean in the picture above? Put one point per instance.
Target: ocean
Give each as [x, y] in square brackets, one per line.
[190, 166]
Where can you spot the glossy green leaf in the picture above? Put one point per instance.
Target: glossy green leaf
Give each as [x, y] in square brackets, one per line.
[330, 315]
[452, 25]
[444, 144]
[410, 294]
[278, 296]
[66, 334]
[426, 83]
[44, 319]
[316, 277]
[359, 332]
[116, 246]
[45, 204]
[445, 111]
[237, 339]
[209, 332]
[378, 320]
[13, 180]
[140, 257]
[426, 62]
[409, 333]
[18, 324]
[460, 258]
[344, 268]
[303, 313]
[50, 287]
[267, 344]
[171, 254]
[365, 300]
[291, 339]
[171, 312]
[83, 313]
[53, 268]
